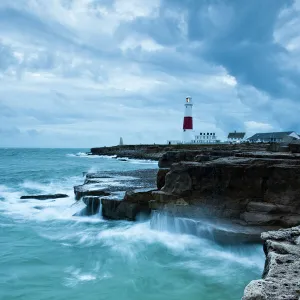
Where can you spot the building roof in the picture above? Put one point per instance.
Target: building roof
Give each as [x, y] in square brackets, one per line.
[236, 135]
[269, 135]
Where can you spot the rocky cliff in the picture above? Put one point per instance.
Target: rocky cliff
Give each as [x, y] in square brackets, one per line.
[281, 276]
[184, 151]
[255, 191]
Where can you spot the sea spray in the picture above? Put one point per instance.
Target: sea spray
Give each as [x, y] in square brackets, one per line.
[220, 231]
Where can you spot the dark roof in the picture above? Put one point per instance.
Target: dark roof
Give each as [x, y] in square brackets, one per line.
[269, 135]
[236, 135]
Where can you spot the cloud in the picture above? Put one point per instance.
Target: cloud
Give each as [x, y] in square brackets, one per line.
[85, 72]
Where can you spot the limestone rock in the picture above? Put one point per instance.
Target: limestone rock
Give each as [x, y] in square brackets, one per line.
[121, 210]
[140, 196]
[163, 197]
[178, 183]
[258, 191]
[281, 276]
[268, 207]
[171, 157]
[85, 190]
[135, 202]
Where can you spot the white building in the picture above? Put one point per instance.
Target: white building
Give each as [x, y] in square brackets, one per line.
[274, 137]
[236, 137]
[205, 138]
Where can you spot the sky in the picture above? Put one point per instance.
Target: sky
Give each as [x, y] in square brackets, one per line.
[83, 73]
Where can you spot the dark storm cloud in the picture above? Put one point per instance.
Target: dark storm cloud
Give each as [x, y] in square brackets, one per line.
[239, 35]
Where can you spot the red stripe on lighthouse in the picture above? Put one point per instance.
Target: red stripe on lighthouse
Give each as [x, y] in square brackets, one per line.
[187, 123]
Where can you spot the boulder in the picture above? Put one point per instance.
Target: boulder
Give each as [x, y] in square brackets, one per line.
[281, 274]
[84, 190]
[45, 197]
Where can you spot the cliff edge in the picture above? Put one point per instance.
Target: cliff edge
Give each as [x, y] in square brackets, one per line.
[281, 276]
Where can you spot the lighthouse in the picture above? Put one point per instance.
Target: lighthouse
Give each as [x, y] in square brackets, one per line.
[188, 136]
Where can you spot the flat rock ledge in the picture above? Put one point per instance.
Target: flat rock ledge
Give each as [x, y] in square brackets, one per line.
[84, 190]
[281, 276]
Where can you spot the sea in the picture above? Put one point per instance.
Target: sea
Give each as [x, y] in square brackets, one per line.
[47, 253]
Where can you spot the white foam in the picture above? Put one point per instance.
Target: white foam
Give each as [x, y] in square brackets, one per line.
[143, 162]
[86, 155]
[42, 210]
[76, 276]
[138, 161]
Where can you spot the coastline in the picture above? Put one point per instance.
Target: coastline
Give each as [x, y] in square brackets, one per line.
[268, 203]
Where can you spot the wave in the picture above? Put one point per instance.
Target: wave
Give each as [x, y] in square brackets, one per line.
[86, 155]
[41, 210]
[131, 239]
[120, 159]
[137, 161]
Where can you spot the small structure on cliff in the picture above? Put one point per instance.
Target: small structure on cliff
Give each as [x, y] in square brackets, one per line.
[121, 143]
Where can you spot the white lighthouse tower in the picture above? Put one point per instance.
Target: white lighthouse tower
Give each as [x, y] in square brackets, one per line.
[188, 135]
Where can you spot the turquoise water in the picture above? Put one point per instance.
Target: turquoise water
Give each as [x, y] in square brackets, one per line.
[46, 253]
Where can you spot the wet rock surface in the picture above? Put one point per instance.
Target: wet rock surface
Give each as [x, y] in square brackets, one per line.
[45, 197]
[281, 276]
[84, 190]
[135, 202]
[122, 210]
[118, 193]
